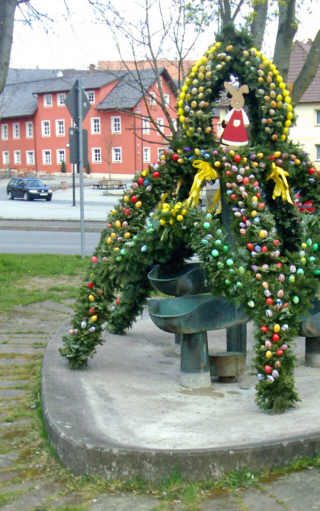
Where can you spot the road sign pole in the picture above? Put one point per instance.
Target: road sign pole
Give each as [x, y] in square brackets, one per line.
[78, 106]
[80, 160]
[73, 185]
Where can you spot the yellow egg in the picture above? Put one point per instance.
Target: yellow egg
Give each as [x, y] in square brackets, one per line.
[94, 318]
[126, 198]
[138, 204]
[276, 328]
[180, 218]
[268, 354]
[91, 298]
[127, 235]
[162, 221]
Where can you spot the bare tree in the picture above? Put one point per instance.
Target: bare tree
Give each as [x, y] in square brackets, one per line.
[12, 11]
[7, 13]
[150, 43]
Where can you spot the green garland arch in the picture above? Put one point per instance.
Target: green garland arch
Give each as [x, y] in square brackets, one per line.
[271, 262]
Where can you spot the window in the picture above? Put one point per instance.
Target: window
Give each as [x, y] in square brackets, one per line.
[116, 124]
[61, 155]
[61, 99]
[160, 152]
[60, 130]
[116, 154]
[17, 157]
[30, 157]
[146, 126]
[152, 98]
[5, 157]
[166, 98]
[4, 131]
[45, 128]
[95, 125]
[46, 157]
[47, 100]
[317, 152]
[16, 130]
[96, 155]
[91, 96]
[160, 124]
[146, 154]
[29, 129]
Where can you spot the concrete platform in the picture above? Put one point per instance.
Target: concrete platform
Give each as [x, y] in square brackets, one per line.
[128, 414]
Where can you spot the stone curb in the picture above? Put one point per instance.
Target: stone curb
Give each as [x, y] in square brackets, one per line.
[77, 446]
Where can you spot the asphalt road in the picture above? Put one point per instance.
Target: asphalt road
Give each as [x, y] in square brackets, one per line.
[52, 228]
[46, 242]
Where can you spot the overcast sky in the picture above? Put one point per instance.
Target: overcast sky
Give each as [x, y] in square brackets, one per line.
[78, 41]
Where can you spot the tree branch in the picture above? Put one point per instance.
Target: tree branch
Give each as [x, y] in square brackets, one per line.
[286, 31]
[259, 19]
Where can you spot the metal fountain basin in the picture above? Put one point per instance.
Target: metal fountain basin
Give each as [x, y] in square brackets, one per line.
[190, 279]
[195, 313]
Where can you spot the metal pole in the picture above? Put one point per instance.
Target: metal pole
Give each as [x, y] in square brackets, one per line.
[80, 160]
[73, 185]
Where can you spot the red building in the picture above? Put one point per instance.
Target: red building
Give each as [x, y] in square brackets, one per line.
[35, 122]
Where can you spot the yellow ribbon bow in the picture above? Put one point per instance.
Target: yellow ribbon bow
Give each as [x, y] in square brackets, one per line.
[281, 188]
[205, 173]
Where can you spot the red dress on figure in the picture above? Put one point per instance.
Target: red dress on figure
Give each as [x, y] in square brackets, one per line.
[235, 132]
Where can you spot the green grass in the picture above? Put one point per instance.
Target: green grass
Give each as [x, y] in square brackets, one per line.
[15, 267]
[17, 271]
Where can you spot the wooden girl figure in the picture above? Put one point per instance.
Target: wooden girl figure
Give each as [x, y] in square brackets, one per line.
[235, 133]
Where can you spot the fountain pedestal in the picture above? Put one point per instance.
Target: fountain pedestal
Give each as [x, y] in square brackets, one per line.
[190, 317]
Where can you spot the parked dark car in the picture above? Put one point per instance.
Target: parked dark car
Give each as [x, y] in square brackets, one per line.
[28, 189]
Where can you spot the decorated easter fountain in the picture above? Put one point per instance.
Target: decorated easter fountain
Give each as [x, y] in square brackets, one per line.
[262, 263]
